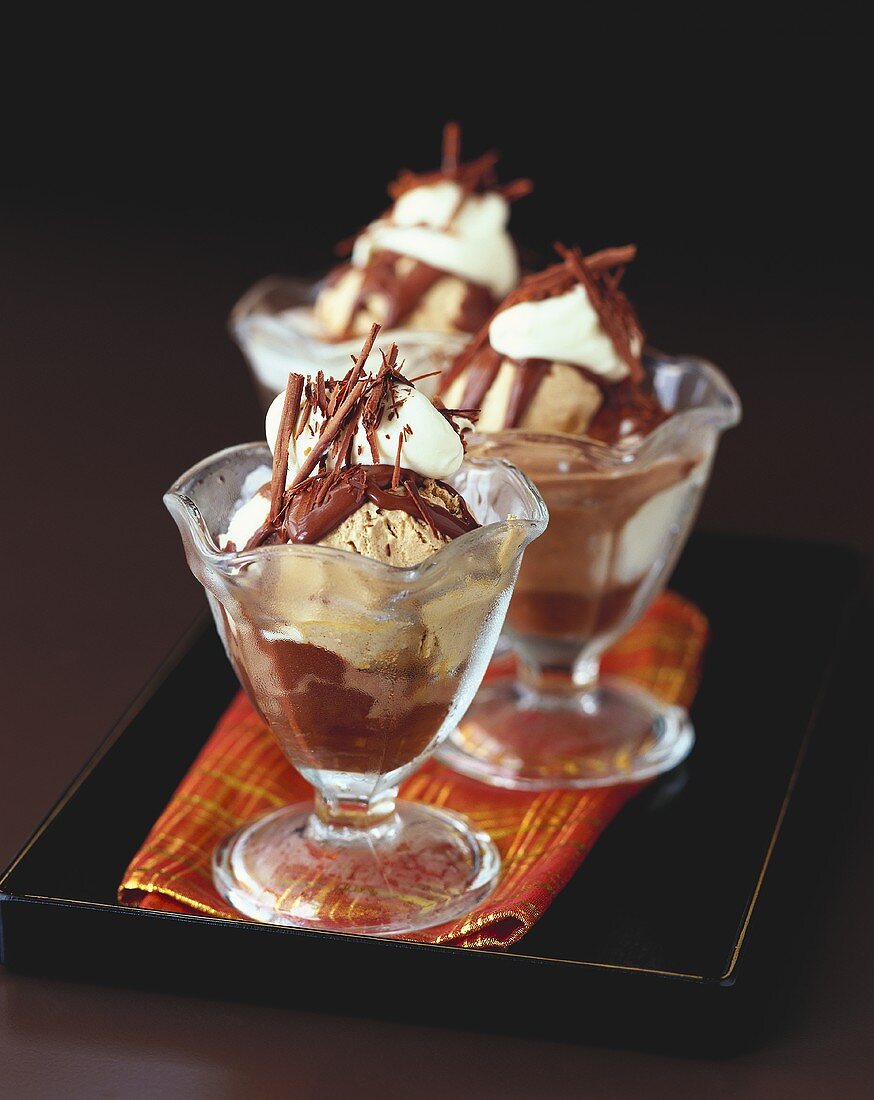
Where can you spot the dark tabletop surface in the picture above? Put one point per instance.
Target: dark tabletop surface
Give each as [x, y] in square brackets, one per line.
[120, 375]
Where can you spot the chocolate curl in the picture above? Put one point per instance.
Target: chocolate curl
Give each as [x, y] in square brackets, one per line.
[372, 409]
[451, 147]
[305, 412]
[611, 257]
[396, 472]
[410, 486]
[321, 395]
[341, 457]
[614, 318]
[392, 376]
[419, 377]
[290, 413]
[479, 172]
[477, 175]
[468, 353]
[518, 189]
[355, 387]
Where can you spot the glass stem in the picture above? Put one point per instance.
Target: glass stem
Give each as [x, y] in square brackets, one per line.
[338, 817]
[558, 678]
[586, 672]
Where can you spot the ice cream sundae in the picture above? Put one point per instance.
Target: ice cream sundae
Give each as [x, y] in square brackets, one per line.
[562, 358]
[439, 259]
[619, 441]
[433, 267]
[358, 578]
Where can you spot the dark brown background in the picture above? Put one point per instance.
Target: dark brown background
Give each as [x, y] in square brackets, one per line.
[131, 220]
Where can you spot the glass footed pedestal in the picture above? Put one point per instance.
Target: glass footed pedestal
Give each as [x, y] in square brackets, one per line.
[533, 737]
[413, 868]
[359, 669]
[618, 519]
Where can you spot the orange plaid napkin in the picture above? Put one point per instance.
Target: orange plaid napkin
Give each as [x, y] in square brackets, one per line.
[542, 837]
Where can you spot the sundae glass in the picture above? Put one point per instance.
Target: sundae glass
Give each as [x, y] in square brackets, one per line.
[359, 667]
[277, 331]
[621, 450]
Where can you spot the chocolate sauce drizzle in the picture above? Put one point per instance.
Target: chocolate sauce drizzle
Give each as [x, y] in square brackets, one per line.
[314, 511]
[627, 406]
[318, 500]
[403, 292]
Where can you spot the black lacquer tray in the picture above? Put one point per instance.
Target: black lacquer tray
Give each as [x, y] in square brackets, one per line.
[681, 929]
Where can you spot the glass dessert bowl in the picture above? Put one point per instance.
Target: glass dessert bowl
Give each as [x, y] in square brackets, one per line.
[619, 517]
[360, 669]
[275, 328]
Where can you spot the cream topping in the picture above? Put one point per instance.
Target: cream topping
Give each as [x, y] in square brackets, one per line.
[562, 329]
[473, 244]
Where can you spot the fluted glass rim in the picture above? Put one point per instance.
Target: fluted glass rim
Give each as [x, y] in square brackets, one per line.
[232, 562]
[249, 309]
[723, 413]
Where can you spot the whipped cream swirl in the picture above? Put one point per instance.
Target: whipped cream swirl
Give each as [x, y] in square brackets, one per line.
[562, 329]
[432, 447]
[469, 240]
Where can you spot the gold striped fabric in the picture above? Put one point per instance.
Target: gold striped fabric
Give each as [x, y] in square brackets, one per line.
[543, 837]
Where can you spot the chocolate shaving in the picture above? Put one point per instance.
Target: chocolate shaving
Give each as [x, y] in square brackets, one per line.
[611, 257]
[287, 424]
[354, 387]
[518, 189]
[321, 396]
[410, 486]
[470, 351]
[467, 414]
[419, 377]
[341, 458]
[451, 147]
[371, 413]
[613, 308]
[306, 409]
[396, 473]
[320, 491]
[474, 177]
[449, 416]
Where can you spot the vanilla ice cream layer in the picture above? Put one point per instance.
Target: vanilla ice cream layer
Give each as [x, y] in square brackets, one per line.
[246, 520]
[644, 536]
[565, 401]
